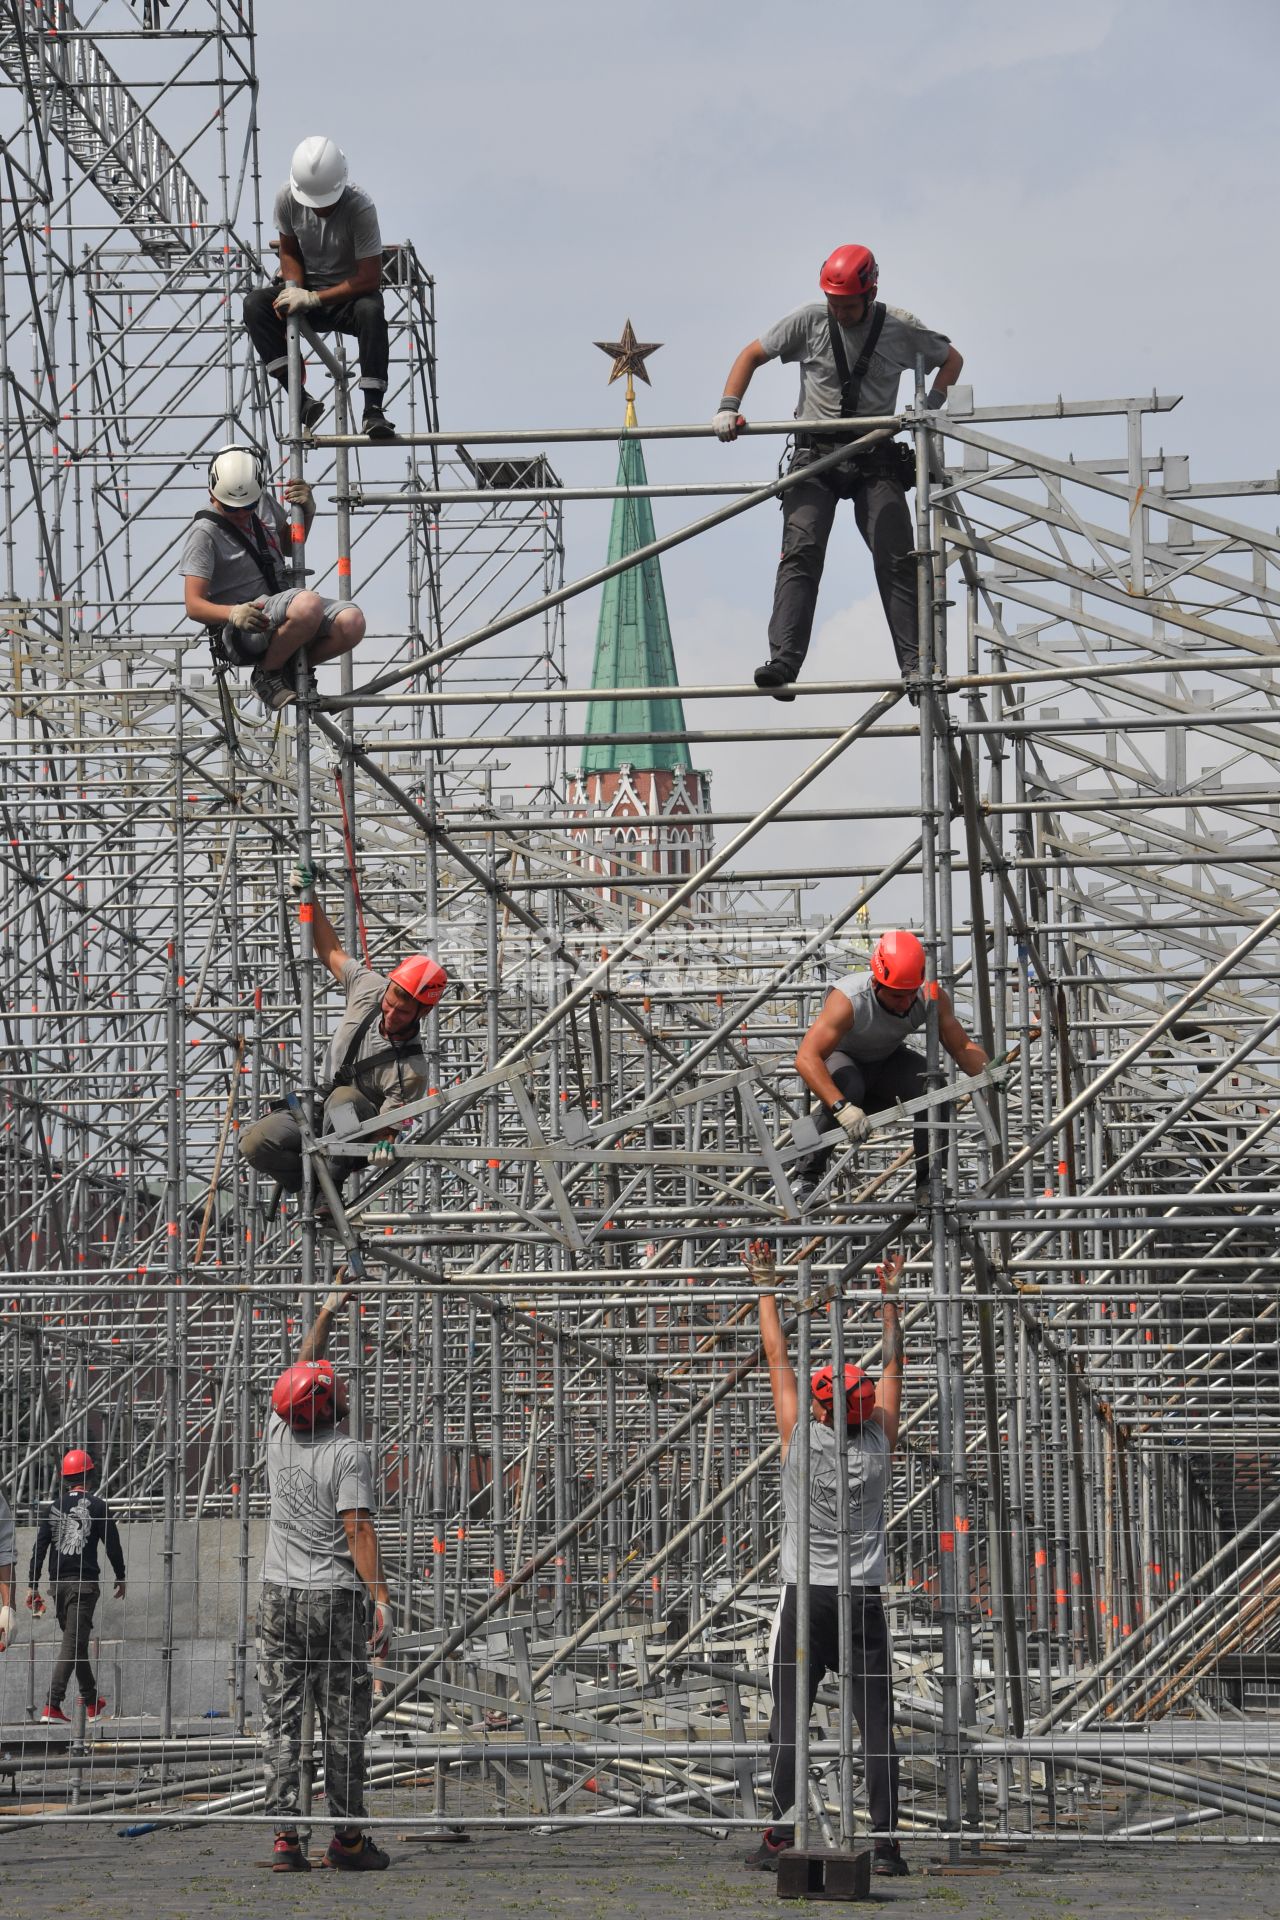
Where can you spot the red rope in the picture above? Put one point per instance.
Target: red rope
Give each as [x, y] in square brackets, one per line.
[351, 863]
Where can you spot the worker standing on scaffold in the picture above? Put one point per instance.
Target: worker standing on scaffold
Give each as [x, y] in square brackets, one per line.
[852, 352]
[237, 583]
[854, 1057]
[330, 276]
[325, 1607]
[864, 1418]
[375, 1061]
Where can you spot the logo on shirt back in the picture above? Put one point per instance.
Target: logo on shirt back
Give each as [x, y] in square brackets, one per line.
[72, 1529]
[295, 1488]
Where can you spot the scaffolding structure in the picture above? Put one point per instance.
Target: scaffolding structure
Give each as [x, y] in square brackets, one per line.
[554, 1349]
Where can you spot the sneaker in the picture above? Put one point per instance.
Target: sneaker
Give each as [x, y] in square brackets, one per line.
[889, 1864]
[95, 1709]
[287, 1855]
[767, 1855]
[375, 425]
[312, 411]
[52, 1713]
[775, 678]
[361, 1856]
[272, 689]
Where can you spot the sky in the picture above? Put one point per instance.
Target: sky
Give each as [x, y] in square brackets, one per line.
[1082, 197]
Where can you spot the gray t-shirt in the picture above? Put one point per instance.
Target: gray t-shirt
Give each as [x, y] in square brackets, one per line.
[331, 243]
[8, 1537]
[804, 336]
[399, 1080]
[216, 556]
[875, 1033]
[311, 1479]
[868, 1455]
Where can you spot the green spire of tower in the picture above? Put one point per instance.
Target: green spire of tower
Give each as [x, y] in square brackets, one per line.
[633, 635]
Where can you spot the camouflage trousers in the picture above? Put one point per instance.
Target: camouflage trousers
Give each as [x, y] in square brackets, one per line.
[317, 1643]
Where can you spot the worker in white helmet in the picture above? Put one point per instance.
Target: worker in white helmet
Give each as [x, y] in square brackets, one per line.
[237, 582]
[330, 274]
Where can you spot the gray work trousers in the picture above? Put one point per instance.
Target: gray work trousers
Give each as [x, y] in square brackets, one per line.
[884, 521]
[273, 1144]
[73, 1607]
[315, 1643]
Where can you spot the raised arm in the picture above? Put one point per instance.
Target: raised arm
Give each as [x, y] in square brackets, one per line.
[966, 1053]
[888, 1408]
[324, 939]
[782, 1378]
[316, 1342]
[823, 1037]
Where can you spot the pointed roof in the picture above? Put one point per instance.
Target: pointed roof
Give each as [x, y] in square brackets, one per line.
[633, 638]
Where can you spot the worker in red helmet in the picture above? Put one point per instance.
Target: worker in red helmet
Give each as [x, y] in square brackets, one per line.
[325, 1608]
[862, 1421]
[855, 1058]
[375, 1061]
[72, 1529]
[852, 352]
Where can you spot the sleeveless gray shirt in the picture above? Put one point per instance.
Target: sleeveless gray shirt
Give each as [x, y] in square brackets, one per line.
[867, 1452]
[875, 1033]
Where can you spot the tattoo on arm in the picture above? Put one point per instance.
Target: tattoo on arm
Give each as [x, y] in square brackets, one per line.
[891, 1343]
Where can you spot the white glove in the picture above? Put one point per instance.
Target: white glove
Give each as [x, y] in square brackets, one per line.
[382, 1634]
[248, 617]
[8, 1621]
[334, 1302]
[854, 1121]
[728, 419]
[293, 299]
[299, 494]
[382, 1153]
[301, 876]
[762, 1266]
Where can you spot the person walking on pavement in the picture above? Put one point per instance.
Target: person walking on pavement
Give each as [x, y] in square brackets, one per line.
[236, 581]
[330, 275]
[862, 1418]
[854, 1058]
[72, 1529]
[375, 1061]
[325, 1608]
[852, 352]
[8, 1571]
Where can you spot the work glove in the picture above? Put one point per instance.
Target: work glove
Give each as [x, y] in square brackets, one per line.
[301, 876]
[728, 420]
[299, 494]
[34, 1603]
[293, 299]
[384, 1152]
[382, 1634]
[933, 400]
[335, 1301]
[762, 1266]
[120, 1589]
[8, 1622]
[855, 1122]
[248, 617]
[890, 1277]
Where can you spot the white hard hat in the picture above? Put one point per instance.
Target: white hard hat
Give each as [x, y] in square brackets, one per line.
[235, 477]
[318, 171]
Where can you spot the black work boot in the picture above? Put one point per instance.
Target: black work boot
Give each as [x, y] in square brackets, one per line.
[776, 678]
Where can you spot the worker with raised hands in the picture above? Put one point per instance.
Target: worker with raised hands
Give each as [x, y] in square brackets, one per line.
[325, 1608]
[854, 1056]
[375, 1061]
[852, 352]
[330, 276]
[861, 1416]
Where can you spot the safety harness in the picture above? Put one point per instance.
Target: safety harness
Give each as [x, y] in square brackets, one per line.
[351, 1071]
[890, 460]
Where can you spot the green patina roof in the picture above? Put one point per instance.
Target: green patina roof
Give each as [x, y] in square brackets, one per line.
[633, 643]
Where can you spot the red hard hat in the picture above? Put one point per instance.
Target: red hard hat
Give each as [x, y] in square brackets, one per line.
[848, 272]
[75, 1463]
[899, 962]
[422, 977]
[307, 1394]
[859, 1391]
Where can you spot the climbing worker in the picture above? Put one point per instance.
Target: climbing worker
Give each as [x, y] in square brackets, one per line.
[71, 1530]
[852, 351]
[375, 1061]
[330, 275]
[325, 1608]
[8, 1570]
[863, 1417]
[853, 1057]
[237, 584]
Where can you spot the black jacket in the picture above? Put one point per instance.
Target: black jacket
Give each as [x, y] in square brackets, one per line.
[74, 1526]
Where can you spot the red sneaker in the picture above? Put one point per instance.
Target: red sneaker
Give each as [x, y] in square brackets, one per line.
[52, 1713]
[94, 1709]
